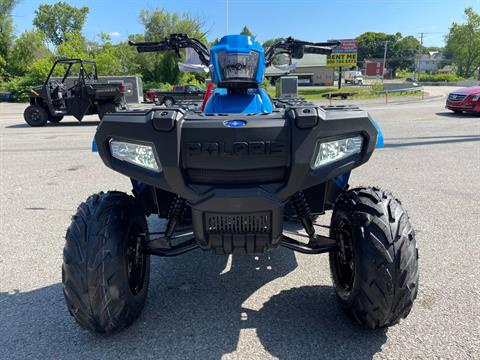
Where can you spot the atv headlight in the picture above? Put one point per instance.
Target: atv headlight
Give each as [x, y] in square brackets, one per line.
[140, 155]
[238, 66]
[328, 152]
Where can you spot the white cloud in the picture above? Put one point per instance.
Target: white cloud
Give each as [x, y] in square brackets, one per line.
[114, 34]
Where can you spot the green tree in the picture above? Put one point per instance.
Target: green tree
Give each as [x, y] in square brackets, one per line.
[74, 46]
[159, 23]
[59, 20]
[372, 44]
[3, 67]
[6, 33]
[246, 31]
[106, 57]
[213, 42]
[28, 47]
[38, 71]
[463, 44]
[20, 86]
[270, 42]
[127, 56]
[401, 51]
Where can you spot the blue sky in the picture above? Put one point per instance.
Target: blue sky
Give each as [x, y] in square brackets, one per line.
[313, 20]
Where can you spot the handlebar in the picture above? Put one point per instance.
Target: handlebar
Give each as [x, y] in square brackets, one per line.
[175, 42]
[297, 48]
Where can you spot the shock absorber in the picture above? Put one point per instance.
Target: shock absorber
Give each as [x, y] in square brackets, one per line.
[302, 209]
[175, 216]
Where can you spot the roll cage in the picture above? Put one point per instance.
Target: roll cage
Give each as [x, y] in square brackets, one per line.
[70, 63]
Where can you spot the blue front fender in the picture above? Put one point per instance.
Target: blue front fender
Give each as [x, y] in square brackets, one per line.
[380, 142]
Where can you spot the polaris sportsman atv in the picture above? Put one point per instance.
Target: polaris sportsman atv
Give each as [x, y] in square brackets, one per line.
[234, 174]
[76, 93]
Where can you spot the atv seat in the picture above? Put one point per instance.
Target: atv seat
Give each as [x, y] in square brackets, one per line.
[58, 96]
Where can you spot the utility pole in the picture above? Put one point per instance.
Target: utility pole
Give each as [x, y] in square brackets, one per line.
[385, 59]
[226, 20]
[340, 77]
[419, 56]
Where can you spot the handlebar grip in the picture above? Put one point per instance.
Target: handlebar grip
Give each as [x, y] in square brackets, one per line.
[328, 44]
[323, 50]
[149, 46]
[155, 48]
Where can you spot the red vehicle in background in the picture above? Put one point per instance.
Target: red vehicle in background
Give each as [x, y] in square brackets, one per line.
[464, 100]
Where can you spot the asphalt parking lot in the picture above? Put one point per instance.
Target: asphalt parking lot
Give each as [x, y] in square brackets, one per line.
[280, 305]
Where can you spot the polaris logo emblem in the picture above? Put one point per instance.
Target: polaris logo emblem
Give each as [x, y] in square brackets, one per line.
[240, 148]
[234, 123]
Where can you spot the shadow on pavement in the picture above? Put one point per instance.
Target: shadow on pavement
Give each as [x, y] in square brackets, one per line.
[435, 137]
[306, 323]
[194, 311]
[59, 125]
[451, 114]
[441, 140]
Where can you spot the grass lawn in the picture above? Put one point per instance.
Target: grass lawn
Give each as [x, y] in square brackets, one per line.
[361, 92]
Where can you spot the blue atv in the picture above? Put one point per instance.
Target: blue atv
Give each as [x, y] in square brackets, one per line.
[232, 179]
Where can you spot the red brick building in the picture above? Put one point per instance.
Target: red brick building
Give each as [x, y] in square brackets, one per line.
[373, 67]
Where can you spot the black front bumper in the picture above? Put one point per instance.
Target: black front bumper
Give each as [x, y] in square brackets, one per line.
[235, 176]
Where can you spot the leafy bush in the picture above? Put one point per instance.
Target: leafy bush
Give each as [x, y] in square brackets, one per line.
[184, 79]
[192, 79]
[147, 85]
[19, 87]
[403, 74]
[3, 66]
[40, 69]
[440, 78]
[108, 63]
[377, 87]
[266, 83]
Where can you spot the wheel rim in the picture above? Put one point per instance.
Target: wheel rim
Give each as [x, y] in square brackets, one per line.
[344, 264]
[136, 263]
[35, 116]
[168, 102]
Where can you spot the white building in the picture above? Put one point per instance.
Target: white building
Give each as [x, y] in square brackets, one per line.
[311, 70]
[430, 62]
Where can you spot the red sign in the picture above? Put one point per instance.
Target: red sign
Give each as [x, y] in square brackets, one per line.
[347, 45]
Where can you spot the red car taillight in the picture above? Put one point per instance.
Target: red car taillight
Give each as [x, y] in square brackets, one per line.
[121, 88]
